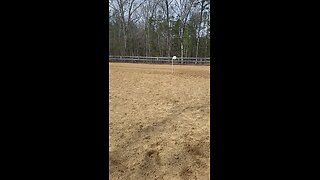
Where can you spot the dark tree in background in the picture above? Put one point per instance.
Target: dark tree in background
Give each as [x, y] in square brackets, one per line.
[159, 28]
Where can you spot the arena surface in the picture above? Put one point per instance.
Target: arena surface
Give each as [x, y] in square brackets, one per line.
[159, 122]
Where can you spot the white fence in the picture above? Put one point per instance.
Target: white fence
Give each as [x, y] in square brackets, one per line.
[159, 60]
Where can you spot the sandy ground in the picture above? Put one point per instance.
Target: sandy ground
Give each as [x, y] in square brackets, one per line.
[159, 122]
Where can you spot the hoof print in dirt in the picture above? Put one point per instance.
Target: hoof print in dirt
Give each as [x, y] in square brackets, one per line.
[187, 173]
[151, 160]
[152, 156]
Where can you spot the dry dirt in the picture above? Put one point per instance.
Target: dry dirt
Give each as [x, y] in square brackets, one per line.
[159, 122]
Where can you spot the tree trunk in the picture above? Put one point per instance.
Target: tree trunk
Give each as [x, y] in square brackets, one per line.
[197, 51]
[159, 46]
[168, 30]
[125, 43]
[186, 52]
[146, 38]
[149, 44]
[207, 52]
[198, 40]
[181, 47]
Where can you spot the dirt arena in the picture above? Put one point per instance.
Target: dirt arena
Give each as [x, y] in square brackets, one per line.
[159, 122]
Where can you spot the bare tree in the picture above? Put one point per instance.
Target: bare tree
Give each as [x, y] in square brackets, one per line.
[126, 9]
[159, 27]
[149, 12]
[183, 9]
[166, 8]
[203, 5]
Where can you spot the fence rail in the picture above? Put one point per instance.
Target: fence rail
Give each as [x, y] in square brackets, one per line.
[160, 60]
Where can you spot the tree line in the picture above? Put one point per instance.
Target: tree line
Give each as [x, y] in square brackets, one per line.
[159, 28]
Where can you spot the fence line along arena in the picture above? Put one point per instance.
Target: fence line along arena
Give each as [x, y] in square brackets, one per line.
[159, 121]
[160, 60]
